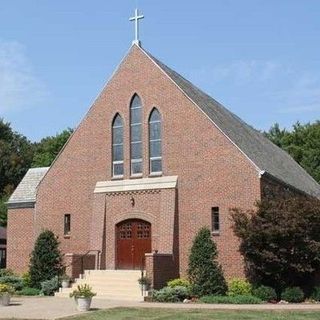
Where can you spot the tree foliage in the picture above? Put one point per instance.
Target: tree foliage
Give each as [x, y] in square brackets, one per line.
[280, 241]
[302, 143]
[45, 260]
[205, 273]
[16, 153]
[48, 148]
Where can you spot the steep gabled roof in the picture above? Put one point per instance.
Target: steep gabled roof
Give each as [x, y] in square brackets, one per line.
[25, 193]
[266, 156]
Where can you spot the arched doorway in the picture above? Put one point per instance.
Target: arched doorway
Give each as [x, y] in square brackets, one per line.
[133, 240]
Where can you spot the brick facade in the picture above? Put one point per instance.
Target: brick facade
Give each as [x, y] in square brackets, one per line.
[211, 170]
[20, 238]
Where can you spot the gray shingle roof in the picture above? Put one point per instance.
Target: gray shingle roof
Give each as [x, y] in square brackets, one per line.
[261, 151]
[26, 190]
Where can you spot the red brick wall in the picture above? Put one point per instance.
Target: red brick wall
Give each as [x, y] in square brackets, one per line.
[160, 268]
[211, 170]
[20, 239]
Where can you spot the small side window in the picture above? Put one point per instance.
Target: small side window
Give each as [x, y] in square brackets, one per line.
[67, 224]
[215, 220]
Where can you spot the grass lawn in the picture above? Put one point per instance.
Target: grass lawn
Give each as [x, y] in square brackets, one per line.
[152, 314]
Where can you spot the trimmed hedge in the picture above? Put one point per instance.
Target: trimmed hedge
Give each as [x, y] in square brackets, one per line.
[315, 295]
[14, 281]
[179, 282]
[167, 294]
[49, 287]
[239, 299]
[239, 287]
[293, 294]
[28, 292]
[265, 293]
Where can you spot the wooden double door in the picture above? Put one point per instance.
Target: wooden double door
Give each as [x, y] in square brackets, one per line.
[133, 240]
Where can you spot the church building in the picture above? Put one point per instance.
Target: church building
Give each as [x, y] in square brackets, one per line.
[153, 161]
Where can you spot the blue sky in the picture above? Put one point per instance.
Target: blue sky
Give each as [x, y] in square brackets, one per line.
[261, 59]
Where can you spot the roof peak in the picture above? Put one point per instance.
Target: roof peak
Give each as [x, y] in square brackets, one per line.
[258, 149]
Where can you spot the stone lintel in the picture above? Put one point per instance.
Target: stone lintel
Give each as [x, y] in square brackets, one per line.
[169, 182]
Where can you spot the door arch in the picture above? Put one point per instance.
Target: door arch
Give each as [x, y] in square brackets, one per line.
[133, 240]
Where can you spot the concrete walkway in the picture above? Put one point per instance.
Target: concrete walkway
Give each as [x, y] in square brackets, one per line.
[54, 308]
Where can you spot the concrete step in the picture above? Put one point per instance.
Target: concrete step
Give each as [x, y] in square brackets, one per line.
[109, 284]
[118, 297]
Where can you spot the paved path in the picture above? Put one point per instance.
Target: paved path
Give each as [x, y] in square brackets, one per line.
[53, 308]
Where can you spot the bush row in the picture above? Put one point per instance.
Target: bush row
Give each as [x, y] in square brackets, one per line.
[21, 285]
[239, 292]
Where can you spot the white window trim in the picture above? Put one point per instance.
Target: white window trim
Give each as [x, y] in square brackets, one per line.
[113, 164]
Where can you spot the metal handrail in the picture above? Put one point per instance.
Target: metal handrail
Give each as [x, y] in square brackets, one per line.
[81, 258]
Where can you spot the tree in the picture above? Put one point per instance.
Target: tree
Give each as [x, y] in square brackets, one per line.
[280, 241]
[16, 153]
[205, 274]
[46, 259]
[48, 148]
[302, 143]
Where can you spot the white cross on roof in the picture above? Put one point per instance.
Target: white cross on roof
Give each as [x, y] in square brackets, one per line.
[136, 19]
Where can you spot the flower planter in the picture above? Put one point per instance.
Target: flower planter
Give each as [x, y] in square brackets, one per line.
[5, 299]
[83, 304]
[145, 287]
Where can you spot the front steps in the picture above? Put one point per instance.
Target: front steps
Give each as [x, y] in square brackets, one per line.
[109, 284]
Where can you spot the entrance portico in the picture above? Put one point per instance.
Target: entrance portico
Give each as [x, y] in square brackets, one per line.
[133, 220]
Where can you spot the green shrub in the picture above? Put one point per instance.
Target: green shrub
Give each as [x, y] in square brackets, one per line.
[26, 279]
[28, 292]
[178, 282]
[293, 294]
[238, 287]
[205, 273]
[6, 272]
[48, 287]
[240, 299]
[265, 293]
[82, 291]
[13, 281]
[315, 295]
[46, 259]
[264, 244]
[168, 294]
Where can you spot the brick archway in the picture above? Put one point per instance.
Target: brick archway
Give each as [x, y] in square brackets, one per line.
[133, 241]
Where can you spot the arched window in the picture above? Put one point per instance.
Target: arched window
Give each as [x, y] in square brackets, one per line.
[117, 146]
[155, 154]
[136, 135]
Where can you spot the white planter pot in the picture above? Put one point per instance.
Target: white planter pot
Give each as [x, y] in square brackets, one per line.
[145, 287]
[5, 299]
[65, 283]
[83, 304]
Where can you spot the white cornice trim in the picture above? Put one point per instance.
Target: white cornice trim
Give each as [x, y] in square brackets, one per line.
[136, 184]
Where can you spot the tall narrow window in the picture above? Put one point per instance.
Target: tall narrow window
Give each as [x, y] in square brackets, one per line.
[117, 147]
[155, 153]
[136, 135]
[215, 220]
[67, 224]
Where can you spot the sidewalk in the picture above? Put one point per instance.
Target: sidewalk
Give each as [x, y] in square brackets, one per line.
[53, 308]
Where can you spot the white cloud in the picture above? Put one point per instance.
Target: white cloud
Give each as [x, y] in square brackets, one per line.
[20, 88]
[241, 72]
[286, 89]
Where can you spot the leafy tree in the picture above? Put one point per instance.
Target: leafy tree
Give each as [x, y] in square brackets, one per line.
[205, 274]
[16, 153]
[46, 259]
[3, 211]
[302, 143]
[280, 241]
[48, 148]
